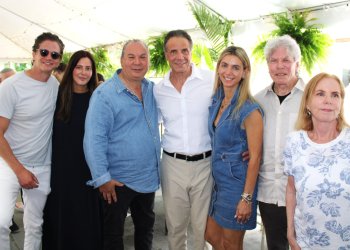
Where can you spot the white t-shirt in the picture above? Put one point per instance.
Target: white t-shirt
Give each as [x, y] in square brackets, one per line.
[29, 105]
[185, 114]
[322, 181]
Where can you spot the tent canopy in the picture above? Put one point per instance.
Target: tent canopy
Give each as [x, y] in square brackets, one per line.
[89, 23]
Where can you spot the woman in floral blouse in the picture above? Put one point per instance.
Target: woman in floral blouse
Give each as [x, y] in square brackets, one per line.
[317, 162]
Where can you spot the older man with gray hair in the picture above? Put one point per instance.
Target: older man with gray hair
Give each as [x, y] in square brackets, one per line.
[280, 101]
[122, 148]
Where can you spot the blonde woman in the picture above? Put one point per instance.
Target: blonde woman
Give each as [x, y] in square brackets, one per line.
[317, 162]
[235, 126]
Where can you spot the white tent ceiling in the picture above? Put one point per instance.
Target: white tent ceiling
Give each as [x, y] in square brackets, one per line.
[89, 23]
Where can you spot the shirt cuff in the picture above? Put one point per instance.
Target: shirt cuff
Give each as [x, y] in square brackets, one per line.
[100, 180]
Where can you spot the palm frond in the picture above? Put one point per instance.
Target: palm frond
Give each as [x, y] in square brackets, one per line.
[200, 55]
[216, 28]
[102, 61]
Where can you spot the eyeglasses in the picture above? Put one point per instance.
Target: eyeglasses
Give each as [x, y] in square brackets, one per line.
[54, 55]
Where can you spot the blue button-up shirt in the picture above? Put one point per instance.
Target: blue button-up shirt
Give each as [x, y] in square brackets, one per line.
[121, 139]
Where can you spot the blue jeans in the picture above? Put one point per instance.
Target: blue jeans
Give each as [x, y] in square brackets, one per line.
[142, 212]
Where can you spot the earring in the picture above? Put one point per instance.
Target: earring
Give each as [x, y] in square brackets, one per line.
[308, 112]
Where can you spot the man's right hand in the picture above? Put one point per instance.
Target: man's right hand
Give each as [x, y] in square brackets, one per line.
[27, 179]
[108, 190]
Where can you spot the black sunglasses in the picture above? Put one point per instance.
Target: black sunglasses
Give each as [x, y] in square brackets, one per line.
[45, 53]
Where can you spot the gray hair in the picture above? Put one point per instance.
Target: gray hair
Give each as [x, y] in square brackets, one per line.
[5, 70]
[284, 41]
[134, 41]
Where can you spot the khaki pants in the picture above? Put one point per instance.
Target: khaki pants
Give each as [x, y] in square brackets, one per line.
[186, 189]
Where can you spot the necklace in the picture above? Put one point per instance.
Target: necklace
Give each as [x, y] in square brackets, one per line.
[224, 105]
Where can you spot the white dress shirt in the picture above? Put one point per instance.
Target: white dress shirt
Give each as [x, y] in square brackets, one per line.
[185, 115]
[279, 120]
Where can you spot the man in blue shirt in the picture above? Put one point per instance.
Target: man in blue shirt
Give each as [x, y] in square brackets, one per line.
[122, 148]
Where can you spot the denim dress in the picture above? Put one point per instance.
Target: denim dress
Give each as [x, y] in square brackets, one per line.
[229, 141]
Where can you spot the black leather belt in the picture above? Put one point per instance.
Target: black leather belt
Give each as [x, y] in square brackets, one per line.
[189, 157]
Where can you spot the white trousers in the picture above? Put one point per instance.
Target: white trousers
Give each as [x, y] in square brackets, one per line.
[186, 189]
[34, 202]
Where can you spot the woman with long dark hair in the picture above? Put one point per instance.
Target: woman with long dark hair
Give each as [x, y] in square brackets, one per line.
[72, 215]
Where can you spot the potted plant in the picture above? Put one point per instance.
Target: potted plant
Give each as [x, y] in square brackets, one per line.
[313, 43]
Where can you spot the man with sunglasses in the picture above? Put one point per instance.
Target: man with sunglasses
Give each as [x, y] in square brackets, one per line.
[27, 104]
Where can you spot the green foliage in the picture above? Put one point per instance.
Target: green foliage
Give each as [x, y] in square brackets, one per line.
[216, 27]
[201, 52]
[19, 67]
[313, 43]
[103, 62]
[66, 56]
[158, 62]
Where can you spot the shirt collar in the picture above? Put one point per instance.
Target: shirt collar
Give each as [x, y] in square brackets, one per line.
[196, 73]
[119, 85]
[300, 85]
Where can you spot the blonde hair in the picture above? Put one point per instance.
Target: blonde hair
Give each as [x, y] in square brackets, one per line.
[244, 93]
[304, 121]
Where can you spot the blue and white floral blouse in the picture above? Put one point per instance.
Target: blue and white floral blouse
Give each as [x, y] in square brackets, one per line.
[322, 180]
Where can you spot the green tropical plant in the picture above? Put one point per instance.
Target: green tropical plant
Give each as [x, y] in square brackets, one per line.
[158, 62]
[201, 54]
[216, 27]
[102, 60]
[66, 56]
[19, 67]
[313, 43]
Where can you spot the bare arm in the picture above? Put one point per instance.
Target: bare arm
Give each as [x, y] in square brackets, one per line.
[290, 205]
[26, 178]
[254, 129]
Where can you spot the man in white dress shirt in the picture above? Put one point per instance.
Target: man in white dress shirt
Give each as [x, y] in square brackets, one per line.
[183, 98]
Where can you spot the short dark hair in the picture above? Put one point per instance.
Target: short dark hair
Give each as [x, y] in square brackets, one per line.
[100, 77]
[177, 33]
[47, 36]
[61, 67]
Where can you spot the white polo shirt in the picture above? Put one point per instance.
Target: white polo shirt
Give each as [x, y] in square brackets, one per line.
[185, 115]
[279, 120]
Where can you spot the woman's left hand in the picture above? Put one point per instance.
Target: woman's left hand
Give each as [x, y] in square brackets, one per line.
[243, 212]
